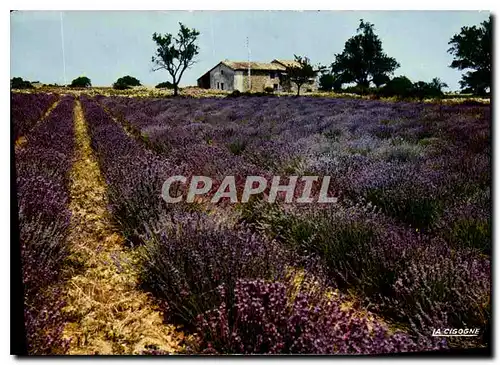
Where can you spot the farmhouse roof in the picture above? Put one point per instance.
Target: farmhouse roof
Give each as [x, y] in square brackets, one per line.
[243, 65]
[287, 63]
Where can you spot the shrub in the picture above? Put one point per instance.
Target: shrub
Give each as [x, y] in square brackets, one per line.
[237, 147]
[26, 109]
[81, 81]
[19, 83]
[129, 81]
[408, 204]
[333, 133]
[134, 174]
[237, 93]
[271, 318]
[234, 94]
[326, 82]
[471, 102]
[44, 323]
[165, 85]
[359, 90]
[269, 90]
[467, 226]
[403, 275]
[121, 86]
[185, 261]
[439, 282]
[42, 169]
[399, 86]
[422, 90]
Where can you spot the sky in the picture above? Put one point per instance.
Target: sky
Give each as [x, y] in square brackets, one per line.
[106, 45]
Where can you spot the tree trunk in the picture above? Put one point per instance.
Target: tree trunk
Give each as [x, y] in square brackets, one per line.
[298, 89]
[176, 89]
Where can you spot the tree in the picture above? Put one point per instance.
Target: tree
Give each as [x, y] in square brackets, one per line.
[437, 85]
[301, 73]
[175, 54]
[81, 81]
[19, 83]
[399, 86]
[126, 82]
[471, 49]
[403, 87]
[326, 82]
[363, 59]
[380, 80]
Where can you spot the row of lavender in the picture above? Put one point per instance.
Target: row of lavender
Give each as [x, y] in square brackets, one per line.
[27, 109]
[427, 166]
[419, 258]
[42, 176]
[236, 289]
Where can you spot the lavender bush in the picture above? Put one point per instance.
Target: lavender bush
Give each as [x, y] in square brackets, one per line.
[411, 228]
[42, 169]
[27, 109]
[134, 175]
[271, 318]
[403, 275]
[187, 257]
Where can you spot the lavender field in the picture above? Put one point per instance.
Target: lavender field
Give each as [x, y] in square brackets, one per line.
[405, 250]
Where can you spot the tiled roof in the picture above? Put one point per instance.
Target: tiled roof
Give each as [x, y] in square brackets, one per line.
[287, 63]
[243, 65]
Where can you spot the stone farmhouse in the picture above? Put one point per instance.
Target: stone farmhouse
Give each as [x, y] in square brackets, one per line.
[233, 75]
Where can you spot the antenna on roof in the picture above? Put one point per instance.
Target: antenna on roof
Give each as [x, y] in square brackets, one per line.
[249, 78]
[62, 46]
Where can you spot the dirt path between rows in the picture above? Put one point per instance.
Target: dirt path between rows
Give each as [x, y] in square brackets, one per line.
[108, 313]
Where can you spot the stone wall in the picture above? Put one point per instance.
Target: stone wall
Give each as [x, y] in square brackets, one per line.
[259, 81]
[222, 78]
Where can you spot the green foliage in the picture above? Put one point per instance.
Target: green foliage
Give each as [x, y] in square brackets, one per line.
[471, 49]
[81, 81]
[166, 85]
[363, 60]
[237, 93]
[380, 80]
[234, 94]
[360, 90]
[432, 89]
[326, 82]
[121, 86]
[419, 211]
[301, 74]
[237, 147]
[333, 133]
[399, 86]
[19, 83]
[471, 233]
[340, 242]
[402, 87]
[175, 54]
[126, 82]
[269, 90]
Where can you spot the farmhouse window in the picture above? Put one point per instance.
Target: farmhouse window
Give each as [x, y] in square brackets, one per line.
[218, 85]
[222, 86]
[222, 72]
